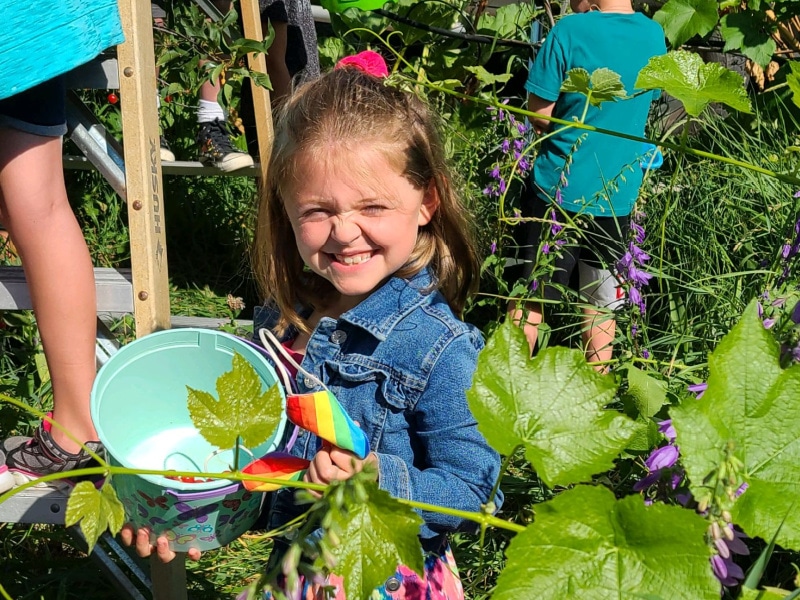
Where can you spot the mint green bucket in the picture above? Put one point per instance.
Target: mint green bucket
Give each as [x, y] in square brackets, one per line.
[139, 408]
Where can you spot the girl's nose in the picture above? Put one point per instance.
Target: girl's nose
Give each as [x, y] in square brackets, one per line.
[345, 230]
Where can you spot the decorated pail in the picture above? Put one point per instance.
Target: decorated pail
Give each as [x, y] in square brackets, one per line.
[140, 409]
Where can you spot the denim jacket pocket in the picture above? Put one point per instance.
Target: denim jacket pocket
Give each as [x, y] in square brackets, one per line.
[385, 389]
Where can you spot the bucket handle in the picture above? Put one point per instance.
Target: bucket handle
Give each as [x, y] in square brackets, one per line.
[204, 495]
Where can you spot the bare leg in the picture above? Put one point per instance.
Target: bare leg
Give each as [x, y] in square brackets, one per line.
[58, 268]
[529, 316]
[598, 333]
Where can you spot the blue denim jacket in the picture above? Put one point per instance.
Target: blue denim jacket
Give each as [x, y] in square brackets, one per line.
[400, 363]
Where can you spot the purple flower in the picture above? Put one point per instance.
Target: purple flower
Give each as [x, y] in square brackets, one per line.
[545, 248]
[493, 247]
[742, 489]
[624, 263]
[637, 276]
[646, 481]
[495, 172]
[505, 146]
[662, 458]
[518, 144]
[559, 196]
[768, 323]
[502, 186]
[787, 248]
[796, 353]
[797, 194]
[488, 191]
[645, 351]
[522, 128]
[698, 388]
[635, 298]
[727, 571]
[534, 285]
[667, 429]
[555, 227]
[638, 232]
[796, 313]
[736, 545]
[638, 254]
[524, 166]
[634, 330]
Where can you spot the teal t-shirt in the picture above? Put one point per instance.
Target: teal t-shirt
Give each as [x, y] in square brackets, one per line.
[45, 38]
[604, 176]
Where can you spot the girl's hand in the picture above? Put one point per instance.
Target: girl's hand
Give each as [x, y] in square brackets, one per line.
[144, 548]
[332, 463]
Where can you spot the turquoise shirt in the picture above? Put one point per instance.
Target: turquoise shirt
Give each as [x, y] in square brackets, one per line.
[45, 38]
[604, 176]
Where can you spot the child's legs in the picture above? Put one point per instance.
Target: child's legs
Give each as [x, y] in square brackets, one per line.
[58, 267]
[528, 237]
[602, 287]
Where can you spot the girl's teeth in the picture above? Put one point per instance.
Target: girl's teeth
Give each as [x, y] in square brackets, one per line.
[353, 260]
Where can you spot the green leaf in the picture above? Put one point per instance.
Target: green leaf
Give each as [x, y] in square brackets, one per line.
[95, 510]
[684, 19]
[604, 85]
[752, 405]
[683, 75]
[648, 394]
[487, 78]
[376, 536]
[767, 593]
[261, 79]
[554, 405]
[585, 544]
[793, 81]
[507, 20]
[751, 33]
[242, 410]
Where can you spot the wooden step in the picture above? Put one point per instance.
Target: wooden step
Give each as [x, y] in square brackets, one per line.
[178, 167]
[114, 290]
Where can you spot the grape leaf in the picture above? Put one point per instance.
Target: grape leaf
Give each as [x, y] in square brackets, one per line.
[648, 394]
[375, 537]
[793, 81]
[95, 510]
[553, 404]
[684, 19]
[752, 404]
[683, 75]
[585, 544]
[604, 85]
[749, 32]
[242, 410]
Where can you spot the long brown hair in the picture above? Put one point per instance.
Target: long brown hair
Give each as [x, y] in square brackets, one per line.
[349, 108]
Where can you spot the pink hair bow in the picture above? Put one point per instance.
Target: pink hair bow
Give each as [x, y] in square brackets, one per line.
[367, 61]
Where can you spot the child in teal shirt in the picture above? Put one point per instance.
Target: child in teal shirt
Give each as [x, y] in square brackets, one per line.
[583, 172]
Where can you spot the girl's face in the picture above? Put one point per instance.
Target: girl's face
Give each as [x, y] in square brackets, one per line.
[356, 229]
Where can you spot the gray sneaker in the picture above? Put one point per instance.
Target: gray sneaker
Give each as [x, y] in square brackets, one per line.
[29, 458]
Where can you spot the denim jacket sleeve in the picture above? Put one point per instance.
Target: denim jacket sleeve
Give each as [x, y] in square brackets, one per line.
[455, 467]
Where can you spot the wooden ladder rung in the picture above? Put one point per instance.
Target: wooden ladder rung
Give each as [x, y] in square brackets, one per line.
[178, 167]
[114, 290]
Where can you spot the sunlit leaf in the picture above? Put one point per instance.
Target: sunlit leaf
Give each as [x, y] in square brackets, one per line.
[487, 78]
[553, 404]
[375, 537]
[603, 85]
[585, 544]
[242, 409]
[685, 76]
[750, 33]
[753, 405]
[647, 393]
[95, 510]
[684, 19]
[793, 81]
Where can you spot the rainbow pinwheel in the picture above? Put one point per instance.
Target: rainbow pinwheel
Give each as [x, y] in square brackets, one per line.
[321, 414]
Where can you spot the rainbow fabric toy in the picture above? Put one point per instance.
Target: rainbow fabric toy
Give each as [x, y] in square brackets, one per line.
[276, 465]
[321, 414]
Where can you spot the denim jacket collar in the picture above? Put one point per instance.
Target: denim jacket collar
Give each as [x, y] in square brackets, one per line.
[387, 306]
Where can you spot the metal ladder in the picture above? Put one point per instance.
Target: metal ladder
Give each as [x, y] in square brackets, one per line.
[135, 173]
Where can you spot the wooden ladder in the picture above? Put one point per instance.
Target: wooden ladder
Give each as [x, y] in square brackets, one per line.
[142, 290]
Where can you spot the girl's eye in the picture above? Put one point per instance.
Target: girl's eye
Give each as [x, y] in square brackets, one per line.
[374, 209]
[313, 214]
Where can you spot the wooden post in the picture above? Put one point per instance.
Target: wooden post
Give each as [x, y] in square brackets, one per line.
[251, 19]
[137, 77]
